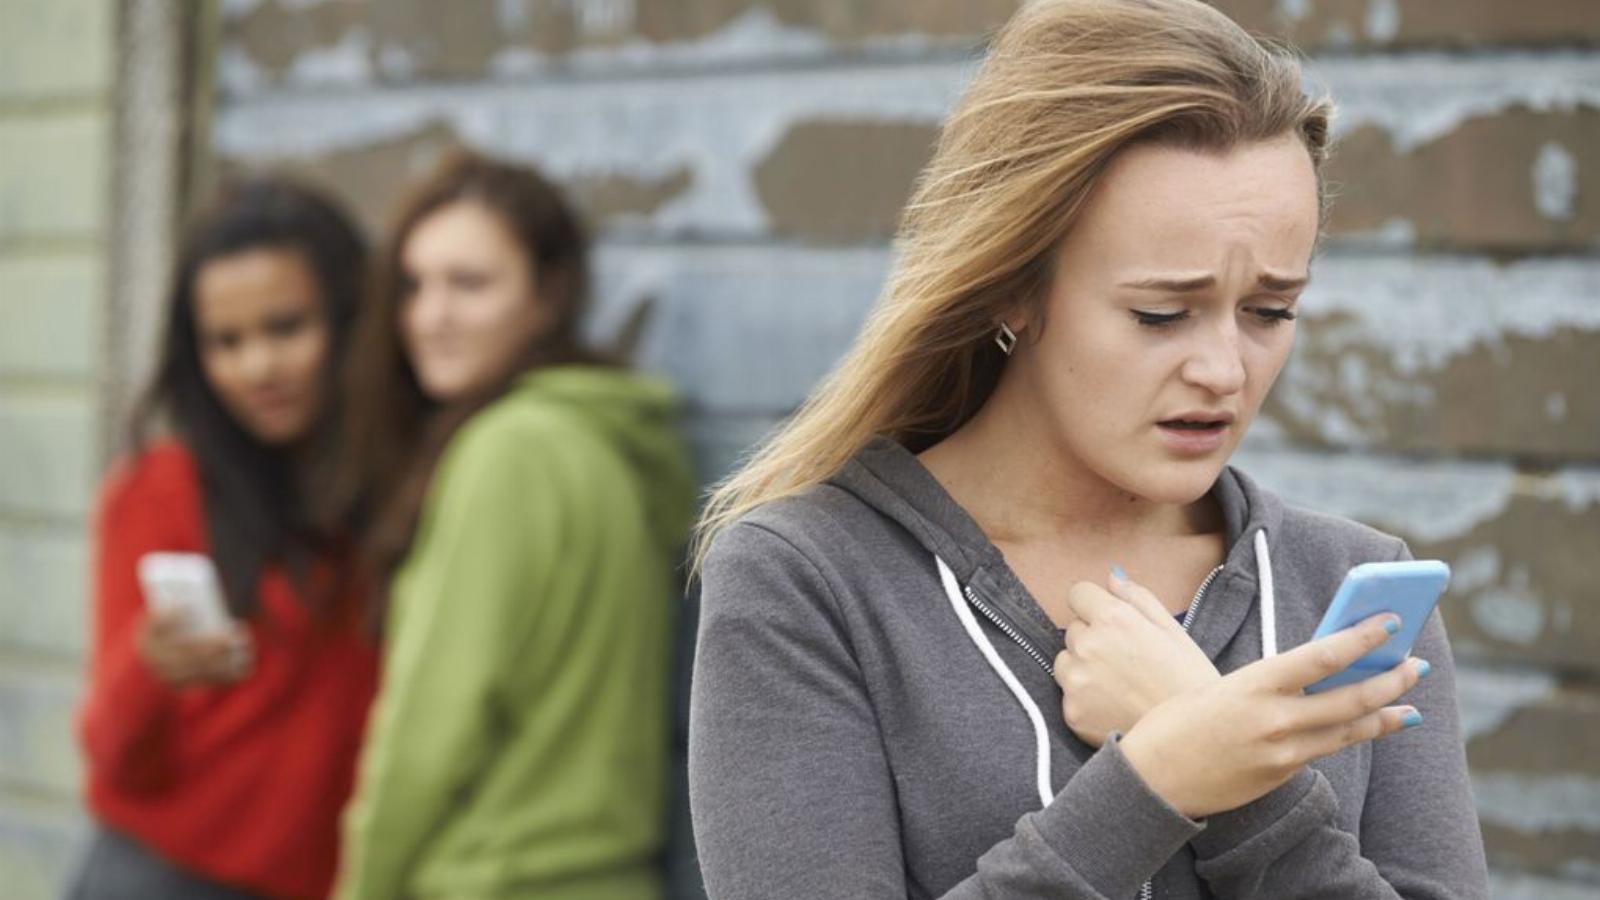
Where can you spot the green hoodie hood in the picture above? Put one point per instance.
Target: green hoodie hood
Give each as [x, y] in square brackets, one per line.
[639, 414]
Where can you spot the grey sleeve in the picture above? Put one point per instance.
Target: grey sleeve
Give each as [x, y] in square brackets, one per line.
[1419, 825]
[791, 792]
[1419, 829]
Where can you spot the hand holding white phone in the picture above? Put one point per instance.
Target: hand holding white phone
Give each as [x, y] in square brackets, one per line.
[190, 639]
[186, 585]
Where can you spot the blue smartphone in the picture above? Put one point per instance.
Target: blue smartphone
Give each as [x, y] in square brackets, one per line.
[1410, 589]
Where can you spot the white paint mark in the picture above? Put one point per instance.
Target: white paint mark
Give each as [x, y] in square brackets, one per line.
[1420, 97]
[1555, 406]
[1486, 697]
[396, 62]
[513, 15]
[1383, 20]
[1586, 871]
[1510, 614]
[347, 63]
[1474, 569]
[605, 17]
[1520, 886]
[238, 9]
[755, 33]
[237, 73]
[718, 127]
[515, 62]
[1426, 313]
[1537, 803]
[1292, 11]
[1555, 182]
[1419, 316]
[1394, 233]
[1577, 489]
[1423, 502]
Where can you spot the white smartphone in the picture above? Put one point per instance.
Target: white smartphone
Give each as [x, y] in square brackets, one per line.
[186, 583]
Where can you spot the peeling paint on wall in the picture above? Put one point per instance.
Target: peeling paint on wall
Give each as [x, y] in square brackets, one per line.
[1382, 335]
[1488, 697]
[722, 127]
[755, 33]
[1555, 181]
[1383, 20]
[1539, 803]
[1421, 97]
[345, 64]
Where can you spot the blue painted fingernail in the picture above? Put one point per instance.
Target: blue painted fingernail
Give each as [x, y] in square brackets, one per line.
[1117, 573]
[1412, 719]
[1423, 668]
[1392, 626]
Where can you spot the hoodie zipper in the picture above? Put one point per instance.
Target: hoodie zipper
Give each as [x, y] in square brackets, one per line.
[1146, 892]
[1007, 629]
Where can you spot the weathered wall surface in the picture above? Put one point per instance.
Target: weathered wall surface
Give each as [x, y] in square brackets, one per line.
[746, 161]
[56, 64]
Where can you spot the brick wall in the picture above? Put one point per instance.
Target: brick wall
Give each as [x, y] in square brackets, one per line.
[55, 74]
[747, 160]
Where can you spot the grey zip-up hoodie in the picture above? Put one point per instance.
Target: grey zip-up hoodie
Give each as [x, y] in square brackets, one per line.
[849, 738]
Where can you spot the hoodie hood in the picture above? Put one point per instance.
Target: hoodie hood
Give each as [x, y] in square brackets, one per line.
[639, 414]
[888, 478]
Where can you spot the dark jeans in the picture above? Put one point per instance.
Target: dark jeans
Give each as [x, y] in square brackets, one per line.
[118, 868]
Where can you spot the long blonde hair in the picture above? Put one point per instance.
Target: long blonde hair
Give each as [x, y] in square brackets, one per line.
[1067, 85]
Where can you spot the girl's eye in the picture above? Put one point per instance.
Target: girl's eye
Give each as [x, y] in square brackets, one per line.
[286, 326]
[1274, 315]
[469, 281]
[1157, 320]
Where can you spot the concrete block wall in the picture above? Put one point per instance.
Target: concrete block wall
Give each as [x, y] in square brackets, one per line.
[56, 66]
[746, 161]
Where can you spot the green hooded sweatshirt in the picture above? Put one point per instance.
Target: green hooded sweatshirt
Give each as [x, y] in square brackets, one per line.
[520, 742]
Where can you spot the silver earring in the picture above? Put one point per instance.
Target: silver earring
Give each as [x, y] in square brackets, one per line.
[1005, 339]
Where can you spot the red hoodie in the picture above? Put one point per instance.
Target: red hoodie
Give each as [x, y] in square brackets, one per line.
[241, 784]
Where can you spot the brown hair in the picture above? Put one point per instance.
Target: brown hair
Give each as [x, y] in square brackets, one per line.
[1067, 85]
[257, 499]
[394, 433]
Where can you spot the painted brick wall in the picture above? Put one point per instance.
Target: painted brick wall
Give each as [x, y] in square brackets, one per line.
[55, 73]
[747, 159]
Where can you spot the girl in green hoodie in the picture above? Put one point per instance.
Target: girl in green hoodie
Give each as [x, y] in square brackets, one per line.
[526, 501]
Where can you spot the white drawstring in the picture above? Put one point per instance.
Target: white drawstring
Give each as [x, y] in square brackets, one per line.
[1269, 600]
[1041, 737]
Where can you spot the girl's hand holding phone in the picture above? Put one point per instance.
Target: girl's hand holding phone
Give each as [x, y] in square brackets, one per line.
[1125, 655]
[182, 658]
[1227, 743]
